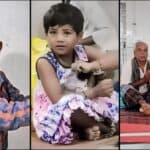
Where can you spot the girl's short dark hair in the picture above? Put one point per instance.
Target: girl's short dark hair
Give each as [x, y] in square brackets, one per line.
[61, 14]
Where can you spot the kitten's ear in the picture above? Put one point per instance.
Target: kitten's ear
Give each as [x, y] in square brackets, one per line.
[1, 45]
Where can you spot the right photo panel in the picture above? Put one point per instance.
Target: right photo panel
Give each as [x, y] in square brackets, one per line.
[134, 75]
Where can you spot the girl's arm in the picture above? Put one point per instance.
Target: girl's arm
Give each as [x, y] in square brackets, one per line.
[107, 61]
[49, 80]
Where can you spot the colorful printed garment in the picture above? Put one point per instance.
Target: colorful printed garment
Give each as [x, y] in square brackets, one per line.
[52, 121]
[131, 97]
[14, 109]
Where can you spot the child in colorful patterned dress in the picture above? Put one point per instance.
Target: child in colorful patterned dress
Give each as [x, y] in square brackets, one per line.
[63, 104]
[14, 109]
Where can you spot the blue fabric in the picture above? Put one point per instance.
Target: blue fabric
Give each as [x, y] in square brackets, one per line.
[53, 61]
[116, 87]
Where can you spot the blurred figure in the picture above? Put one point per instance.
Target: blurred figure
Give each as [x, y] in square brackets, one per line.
[14, 109]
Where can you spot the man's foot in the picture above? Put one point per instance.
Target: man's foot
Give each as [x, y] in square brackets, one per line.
[93, 133]
[145, 109]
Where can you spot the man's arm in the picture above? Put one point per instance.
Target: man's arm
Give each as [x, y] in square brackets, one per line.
[107, 61]
[142, 81]
[87, 41]
[138, 83]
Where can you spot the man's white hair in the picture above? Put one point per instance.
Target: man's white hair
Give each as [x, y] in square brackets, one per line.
[140, 43]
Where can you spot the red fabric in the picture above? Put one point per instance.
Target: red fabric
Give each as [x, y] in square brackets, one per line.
[135, 139]
[134, 122]
[134, 117]
[129, 128]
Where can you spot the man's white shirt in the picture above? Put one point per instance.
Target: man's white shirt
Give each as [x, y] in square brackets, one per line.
[126, 74]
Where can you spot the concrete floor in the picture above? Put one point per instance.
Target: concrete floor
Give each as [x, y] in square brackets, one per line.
[19, 139]
[108, 143]
[134, 146]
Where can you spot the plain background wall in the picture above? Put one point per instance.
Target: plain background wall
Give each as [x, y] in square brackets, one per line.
[137, 25]
[37, 12]
[40, 7]
[14, 58]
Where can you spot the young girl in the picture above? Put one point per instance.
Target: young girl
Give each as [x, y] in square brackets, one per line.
[14, 109]
[64, 105]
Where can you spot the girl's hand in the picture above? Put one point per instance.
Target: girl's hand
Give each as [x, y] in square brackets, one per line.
[104, 88]
[81, 66]
[86, 67]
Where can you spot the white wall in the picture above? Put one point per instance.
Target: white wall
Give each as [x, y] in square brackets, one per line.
[143, 21]
[109, 8]
[137, 24]
[38, 9]
[14, 58]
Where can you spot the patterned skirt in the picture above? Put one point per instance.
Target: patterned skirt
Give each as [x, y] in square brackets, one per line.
[52, 121]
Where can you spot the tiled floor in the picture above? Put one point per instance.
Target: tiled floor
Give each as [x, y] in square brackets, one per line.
[108, 143]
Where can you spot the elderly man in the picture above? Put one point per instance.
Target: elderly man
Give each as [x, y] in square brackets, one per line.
[135, 79]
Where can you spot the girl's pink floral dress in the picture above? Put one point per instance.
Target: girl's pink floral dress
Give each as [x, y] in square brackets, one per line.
[52, 121]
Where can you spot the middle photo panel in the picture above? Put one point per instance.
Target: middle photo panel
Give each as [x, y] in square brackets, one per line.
[75, 85]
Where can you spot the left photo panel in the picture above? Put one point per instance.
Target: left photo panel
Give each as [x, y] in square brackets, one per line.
[15, 75]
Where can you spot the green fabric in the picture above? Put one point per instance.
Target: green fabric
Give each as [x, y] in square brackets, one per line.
[122, 105]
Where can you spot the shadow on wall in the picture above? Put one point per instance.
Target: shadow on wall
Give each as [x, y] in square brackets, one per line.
[16, 67]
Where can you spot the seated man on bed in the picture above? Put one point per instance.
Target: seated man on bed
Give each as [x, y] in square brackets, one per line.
[135, 80]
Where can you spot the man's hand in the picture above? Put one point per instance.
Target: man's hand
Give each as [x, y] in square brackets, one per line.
[147, 76]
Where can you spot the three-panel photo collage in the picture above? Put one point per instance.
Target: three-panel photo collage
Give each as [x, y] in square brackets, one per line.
[74, 74]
